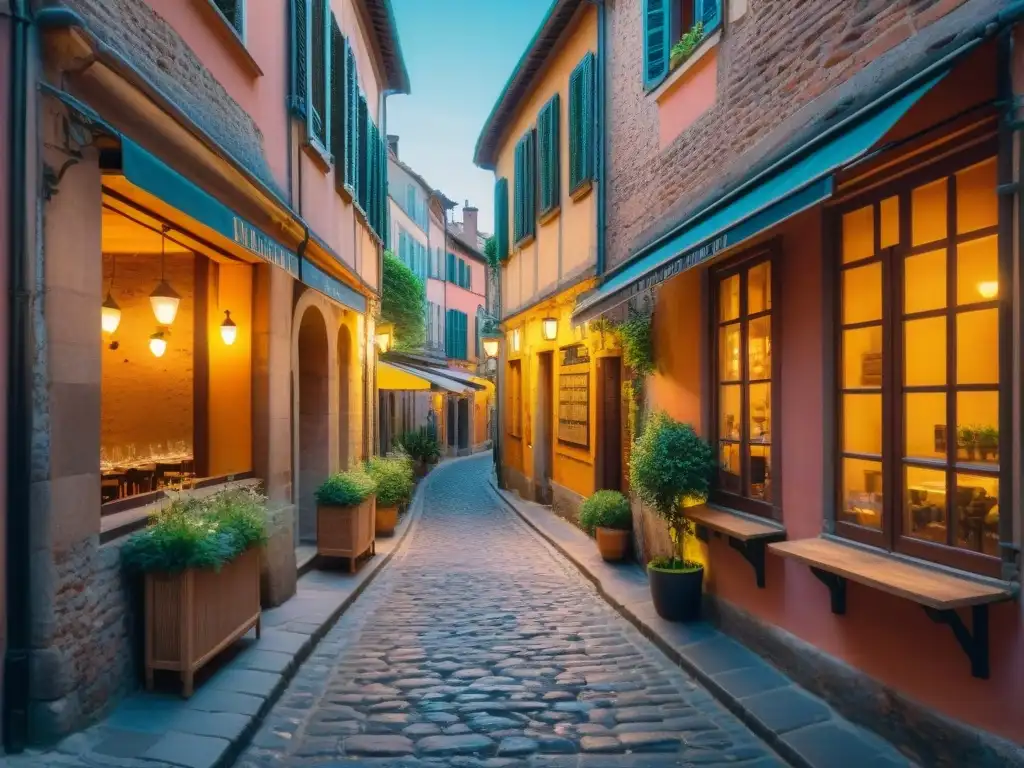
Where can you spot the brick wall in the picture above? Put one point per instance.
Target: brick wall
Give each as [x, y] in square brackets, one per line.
[782, 66]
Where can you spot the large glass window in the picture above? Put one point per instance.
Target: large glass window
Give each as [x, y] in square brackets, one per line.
[744, 378]
[919, 370]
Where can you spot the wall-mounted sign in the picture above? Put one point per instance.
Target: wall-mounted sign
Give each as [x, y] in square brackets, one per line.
[574, 408]
[331, 287]
[577, 354]
[252, 239]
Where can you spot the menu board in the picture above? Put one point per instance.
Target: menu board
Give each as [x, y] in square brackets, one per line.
[574, 408]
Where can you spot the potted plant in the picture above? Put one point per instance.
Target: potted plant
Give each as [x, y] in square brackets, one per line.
[967, 441]
[393, 481]
[423, 449]
[201, 563]
[607, 517]
[670, 467]
[686, 45]
[988, 443]
[345, 510]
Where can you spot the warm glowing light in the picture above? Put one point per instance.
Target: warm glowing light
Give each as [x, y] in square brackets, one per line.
[549, 328]
[988, 289]
[158, 344]
[385, 333]
[165, 303]
[491, 348]
[228, 329]
[110, 315]
[515, 340]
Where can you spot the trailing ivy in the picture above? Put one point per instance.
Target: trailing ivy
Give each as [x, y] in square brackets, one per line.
[403, 303]
[491, 252]
[637, 344]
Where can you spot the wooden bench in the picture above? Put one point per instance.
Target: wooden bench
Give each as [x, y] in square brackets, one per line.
[747, 534]
[939, 592]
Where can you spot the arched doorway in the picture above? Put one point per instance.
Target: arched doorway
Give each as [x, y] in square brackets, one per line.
[314, 425]
[345, 368]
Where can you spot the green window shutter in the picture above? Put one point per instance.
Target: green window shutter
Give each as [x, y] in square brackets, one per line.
[338, 80]
[450, 268]
[351, 119]
[656, 41]
[520, 182]
[501, 218]
[582, 123]
[709, 12]
[362, 176]
[465, 336]
[548, 138]
[298, 95]
[530, 192]
[318, 120]
[469, 277]
[234, 12]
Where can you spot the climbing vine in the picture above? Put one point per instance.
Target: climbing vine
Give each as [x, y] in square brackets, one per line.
[403, 302]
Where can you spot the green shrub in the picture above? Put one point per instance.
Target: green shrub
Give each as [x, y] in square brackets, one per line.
[393, 479]
[422, 445]
[669, 466]
[199, 533]
[606, 509]
[637, 344]
[345, 489]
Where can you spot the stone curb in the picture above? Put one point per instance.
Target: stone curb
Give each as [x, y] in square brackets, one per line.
[804, 753]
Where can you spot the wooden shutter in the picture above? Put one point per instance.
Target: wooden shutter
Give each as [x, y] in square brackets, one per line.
[233, 11]
[362, 129]
[351, 120]
[530, 192]
[709, 12]
[300, 55]
[582, 123]
[318, 118]
[548, 154]
[501, 218]
[656, 41]
[520, 186]
[338, 80]
[450, 268]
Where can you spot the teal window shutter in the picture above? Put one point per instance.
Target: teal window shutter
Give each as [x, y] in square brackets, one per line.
[351, 120]
[656, 41]
[450, 268]
[299, 95]
[501, 218]
[362, 131]
[520, 182]
[525, 182]
[582, 123]
[469, 277]
[548, 138]
[234, 12]
[338, 80]
[709, 12]
[318, 119]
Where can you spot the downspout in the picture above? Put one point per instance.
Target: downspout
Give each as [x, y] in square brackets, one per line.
[19, 405]
[602, 155]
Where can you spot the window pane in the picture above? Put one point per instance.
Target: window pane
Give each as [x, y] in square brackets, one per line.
[977, 425]
[759, 288]
[977, 270]
[924, 282]
[729, 412]
[977, 205]
[862, 423]
[977, 347]
[759, 348]
[729, 298]
[924, 504]
[862, 492]
[890, 222]
[928, 220]
[859, 234]
[924, 425]
[924, 352]
[729, 469]
[760, 403]
[977, 513]
[862, 357]
[761, 472]
[729, 352]
[862, 294]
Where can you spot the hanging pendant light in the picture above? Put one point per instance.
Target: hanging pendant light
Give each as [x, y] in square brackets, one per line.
[164, 299]
[228, 329]
[158, 344]
[110, 312]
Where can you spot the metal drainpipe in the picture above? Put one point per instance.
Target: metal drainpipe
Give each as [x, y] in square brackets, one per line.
[19, 405]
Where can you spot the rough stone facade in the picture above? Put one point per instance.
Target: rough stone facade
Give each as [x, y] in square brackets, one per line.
[783, 66]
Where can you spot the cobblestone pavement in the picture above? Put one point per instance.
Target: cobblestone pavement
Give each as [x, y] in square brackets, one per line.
[479, 646]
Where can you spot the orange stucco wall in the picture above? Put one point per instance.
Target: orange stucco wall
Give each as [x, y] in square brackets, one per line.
[565, 245]
[890, 639]
[688, 97]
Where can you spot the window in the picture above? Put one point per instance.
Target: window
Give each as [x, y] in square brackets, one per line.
[501, 218]
[234, 12]
[340, 54]
[311, 26]
[664, 22]
[548, 139]
[515, 398]
[919, 371]
[582, 123]
[456, 334]
[362, 148]
[525, 182]
[744, 375]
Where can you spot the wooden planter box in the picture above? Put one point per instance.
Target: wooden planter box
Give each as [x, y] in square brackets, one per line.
[193, 615]
[346, 531]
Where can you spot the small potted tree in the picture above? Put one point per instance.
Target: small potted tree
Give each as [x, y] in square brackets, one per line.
[607, 517]
[393, 481]
[423, 449]
[345, 507]
[201, 563]
[670, 467]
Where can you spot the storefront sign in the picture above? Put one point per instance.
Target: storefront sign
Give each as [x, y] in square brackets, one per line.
[574, 408]
[680, 264]
[252, 239]
[577, 354]
[331, 287]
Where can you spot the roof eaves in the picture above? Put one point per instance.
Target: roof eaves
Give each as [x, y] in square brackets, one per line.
[382, 15]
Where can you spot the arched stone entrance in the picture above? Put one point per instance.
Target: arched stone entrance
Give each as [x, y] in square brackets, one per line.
[345, 369]
[313, 448]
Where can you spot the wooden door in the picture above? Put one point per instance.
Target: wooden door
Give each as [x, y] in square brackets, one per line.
[610, 423]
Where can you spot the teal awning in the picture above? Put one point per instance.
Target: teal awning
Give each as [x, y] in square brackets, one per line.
[729, 221]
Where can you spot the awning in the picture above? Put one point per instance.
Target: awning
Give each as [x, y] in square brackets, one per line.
[750, 210]
[393, 379]
[437, 382]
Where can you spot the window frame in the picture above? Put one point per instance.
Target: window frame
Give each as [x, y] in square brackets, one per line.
[890, 536]
[583, 129]
[768, 253]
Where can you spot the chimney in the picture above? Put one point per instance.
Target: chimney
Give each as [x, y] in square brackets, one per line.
[469, 228]
[393, 143]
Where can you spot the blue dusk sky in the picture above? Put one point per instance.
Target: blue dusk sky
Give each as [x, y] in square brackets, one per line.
[459, 54]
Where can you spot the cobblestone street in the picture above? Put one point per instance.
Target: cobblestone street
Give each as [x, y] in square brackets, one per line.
[479, 646]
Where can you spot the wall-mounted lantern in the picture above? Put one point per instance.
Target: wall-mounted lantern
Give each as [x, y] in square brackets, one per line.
[228, 329]
[385, 336]
[549, 328]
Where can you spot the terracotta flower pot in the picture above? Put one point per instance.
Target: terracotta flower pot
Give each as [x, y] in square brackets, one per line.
[612, 543]
[387, 519]
[676, 594]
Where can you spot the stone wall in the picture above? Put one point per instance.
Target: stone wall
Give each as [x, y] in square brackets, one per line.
[782, 66]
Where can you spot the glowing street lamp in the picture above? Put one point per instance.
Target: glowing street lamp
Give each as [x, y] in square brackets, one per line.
[385, 336]
[549, 328]
[158, 344]
[110, 314]
[515, 340]
[228, 329]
